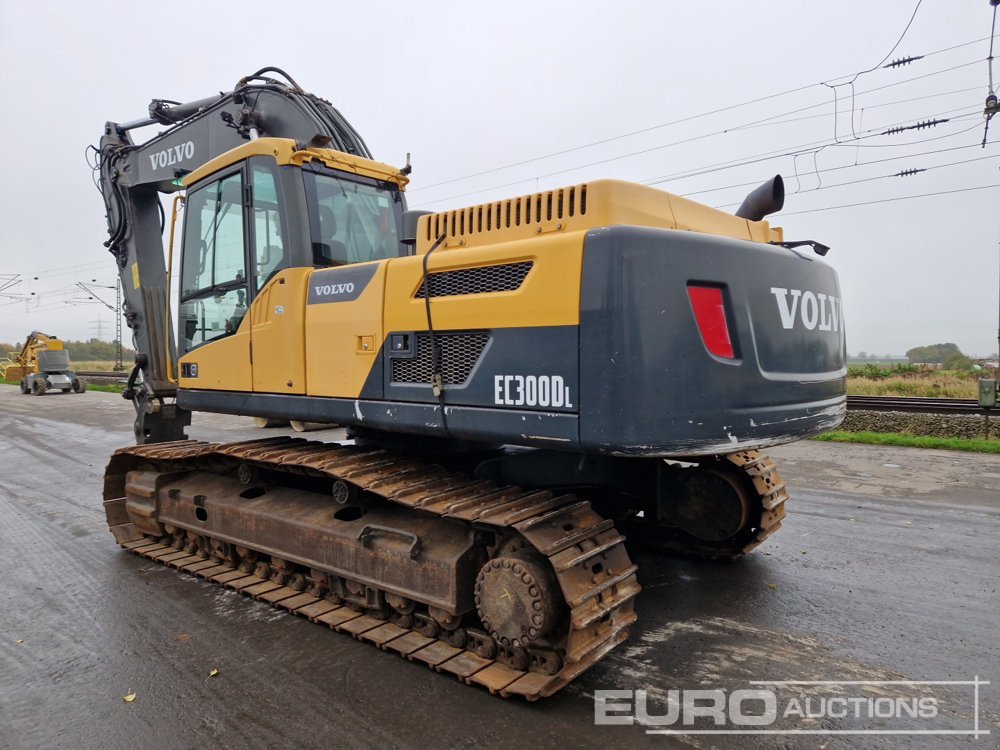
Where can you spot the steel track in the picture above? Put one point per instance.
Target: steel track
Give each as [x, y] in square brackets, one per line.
[562, 528]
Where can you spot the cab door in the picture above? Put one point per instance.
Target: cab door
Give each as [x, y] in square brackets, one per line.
[277, 315]
[214, 290]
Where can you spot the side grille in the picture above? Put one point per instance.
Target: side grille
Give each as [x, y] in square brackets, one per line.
[503, 278]
[459, 354]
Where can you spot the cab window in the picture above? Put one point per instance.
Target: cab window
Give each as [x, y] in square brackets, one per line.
[352, 219]
[268, 232]
[213, 284]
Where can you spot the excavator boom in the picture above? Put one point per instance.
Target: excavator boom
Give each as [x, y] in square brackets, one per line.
[132, 176]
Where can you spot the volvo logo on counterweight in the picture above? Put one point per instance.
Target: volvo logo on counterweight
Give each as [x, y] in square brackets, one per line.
[814, 311]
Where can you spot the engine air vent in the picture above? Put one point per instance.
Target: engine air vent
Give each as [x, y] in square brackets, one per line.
[551, 205]
[459, 354]
[507, 277]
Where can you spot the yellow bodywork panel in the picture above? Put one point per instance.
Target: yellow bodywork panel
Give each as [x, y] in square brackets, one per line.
[602, 203]
[223, 364]
[549, 296]
[276, 317]
[344, 337]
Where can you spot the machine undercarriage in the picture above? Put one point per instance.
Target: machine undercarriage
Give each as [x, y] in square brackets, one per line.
[515, 589]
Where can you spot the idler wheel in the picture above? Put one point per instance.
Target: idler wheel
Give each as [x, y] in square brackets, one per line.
[517, 598]
[709, 504]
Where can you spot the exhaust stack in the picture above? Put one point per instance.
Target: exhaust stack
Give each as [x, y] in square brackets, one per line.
[767, 199]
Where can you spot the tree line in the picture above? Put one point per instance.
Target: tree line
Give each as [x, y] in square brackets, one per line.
[949, 356]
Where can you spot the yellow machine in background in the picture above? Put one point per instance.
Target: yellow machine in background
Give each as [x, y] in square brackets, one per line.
[41, 365]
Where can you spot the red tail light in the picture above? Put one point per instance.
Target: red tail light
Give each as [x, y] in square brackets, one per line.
[710, 313]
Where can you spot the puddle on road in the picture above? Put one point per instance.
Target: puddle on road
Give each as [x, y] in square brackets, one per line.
[718, 652]
[721, 653]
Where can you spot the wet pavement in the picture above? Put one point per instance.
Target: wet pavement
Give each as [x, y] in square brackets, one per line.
[886, 569]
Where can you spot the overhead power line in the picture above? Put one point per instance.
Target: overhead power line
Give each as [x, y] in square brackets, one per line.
[688, 118]
[770, 155]
[902, 173]
[903, 61]
[916, 126]
[895, 127]
[769, 121]
[839, 168]
[898, 41]
[891, 200]
[690, 139]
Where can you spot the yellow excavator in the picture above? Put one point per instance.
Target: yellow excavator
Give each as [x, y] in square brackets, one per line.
[524, 382]
[41, 365]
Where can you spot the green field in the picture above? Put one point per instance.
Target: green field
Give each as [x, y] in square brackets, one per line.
[95, 365]
[912, 441]
[909, 380]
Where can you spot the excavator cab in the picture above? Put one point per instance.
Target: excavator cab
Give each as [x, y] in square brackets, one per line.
[243, 226]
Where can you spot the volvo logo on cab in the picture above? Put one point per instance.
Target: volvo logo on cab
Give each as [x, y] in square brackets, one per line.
[813, 310]
[531, 390]
[327, 290]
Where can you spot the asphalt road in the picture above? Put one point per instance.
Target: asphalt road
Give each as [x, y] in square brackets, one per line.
[886, 569]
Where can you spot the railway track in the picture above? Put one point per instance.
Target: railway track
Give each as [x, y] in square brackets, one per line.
[916, 405]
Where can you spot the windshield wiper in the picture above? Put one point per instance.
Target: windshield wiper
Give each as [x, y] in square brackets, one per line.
[222, 288]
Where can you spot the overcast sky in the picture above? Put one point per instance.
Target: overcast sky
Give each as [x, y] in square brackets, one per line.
[472, 88]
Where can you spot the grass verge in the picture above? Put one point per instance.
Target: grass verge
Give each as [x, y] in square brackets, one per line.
[94, 365]
[912, 441]
[106, 387]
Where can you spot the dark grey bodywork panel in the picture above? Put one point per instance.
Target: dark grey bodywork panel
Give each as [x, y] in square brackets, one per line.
[648, 384]
[465, 423]
[526, 352]
[53, 360]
